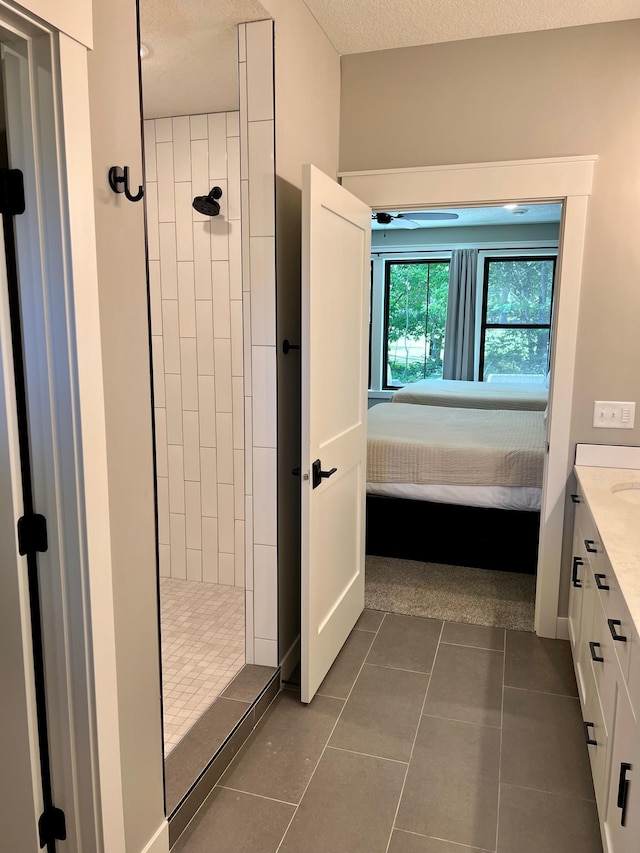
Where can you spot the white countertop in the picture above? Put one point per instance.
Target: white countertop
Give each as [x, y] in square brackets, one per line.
[618, 523]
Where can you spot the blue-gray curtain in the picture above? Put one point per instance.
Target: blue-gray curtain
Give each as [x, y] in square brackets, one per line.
[460, 330]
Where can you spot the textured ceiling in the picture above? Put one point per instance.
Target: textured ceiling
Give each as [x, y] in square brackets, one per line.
[358, 26]
[192, 65]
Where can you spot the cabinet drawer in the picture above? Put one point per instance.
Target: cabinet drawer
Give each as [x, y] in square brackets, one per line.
[586, 531]
[586, 683]
[619, 624]
[622, 826]
[575, 610]
[634, 675]
[596, 735]
[576, 591]
[604, 662]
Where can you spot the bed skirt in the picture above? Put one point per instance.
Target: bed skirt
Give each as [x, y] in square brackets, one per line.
[480, 537]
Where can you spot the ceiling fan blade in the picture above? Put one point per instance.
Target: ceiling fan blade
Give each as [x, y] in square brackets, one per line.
[401, 222]
[383, 219]
[428, 215]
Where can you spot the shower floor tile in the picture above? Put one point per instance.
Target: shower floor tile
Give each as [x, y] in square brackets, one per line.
[202, 649]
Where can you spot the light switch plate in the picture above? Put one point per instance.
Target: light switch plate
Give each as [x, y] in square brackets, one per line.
[612, 414]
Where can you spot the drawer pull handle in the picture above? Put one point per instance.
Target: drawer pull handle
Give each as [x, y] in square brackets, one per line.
[596, 657]
[599, 584]
[575, 580]
[575, 499]
[613, 624]
[623, 791]
[591, 741]
[588, 544]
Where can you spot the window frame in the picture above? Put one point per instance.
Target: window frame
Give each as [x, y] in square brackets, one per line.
[436, 251]
[378, 388]
[388, 263]
[484, 262]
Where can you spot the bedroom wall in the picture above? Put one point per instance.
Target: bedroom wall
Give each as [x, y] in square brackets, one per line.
[542, 94]
[466, 235]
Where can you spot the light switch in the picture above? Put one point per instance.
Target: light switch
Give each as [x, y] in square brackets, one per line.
[612, 414]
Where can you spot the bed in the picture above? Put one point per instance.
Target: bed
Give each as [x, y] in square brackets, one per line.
[474, 395]
[455, 485]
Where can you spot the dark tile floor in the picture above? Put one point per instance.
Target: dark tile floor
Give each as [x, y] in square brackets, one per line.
[424, 738]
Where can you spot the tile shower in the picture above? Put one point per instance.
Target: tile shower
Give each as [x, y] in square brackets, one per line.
[216, 530]
[196, 324]
[202, 649]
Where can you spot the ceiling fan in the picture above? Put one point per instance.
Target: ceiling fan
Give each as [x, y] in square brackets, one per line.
[412, 219]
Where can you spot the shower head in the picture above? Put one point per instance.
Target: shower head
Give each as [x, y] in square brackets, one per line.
[207, 204]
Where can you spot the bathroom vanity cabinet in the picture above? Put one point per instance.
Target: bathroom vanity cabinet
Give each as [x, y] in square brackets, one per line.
[604, 618]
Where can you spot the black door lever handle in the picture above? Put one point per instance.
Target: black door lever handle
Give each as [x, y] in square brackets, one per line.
[591, 741]
[318, 475]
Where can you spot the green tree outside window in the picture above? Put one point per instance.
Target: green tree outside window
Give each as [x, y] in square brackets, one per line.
[416, 317]
[518, 294]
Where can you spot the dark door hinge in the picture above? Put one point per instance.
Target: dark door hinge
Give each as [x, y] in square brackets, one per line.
[52, 826]
[32, 534]
[11, 192]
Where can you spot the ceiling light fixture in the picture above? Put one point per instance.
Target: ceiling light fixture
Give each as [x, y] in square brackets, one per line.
[144, 51]
[510, 206]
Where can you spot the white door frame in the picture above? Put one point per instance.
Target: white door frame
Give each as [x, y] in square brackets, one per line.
[63, 357]
[565, 179]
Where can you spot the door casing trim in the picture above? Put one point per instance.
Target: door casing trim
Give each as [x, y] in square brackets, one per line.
[565, 179]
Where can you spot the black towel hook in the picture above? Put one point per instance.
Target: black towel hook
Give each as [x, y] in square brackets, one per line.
[119, 183]
[286, 346]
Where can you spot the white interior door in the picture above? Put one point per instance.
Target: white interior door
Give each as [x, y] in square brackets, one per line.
[336, 244]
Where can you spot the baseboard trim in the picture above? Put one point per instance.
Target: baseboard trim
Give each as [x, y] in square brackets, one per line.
[291, 659]
[160, 841]
[562, 628]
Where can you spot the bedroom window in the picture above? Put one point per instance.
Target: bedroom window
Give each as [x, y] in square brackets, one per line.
[516, 318]
[415, 316]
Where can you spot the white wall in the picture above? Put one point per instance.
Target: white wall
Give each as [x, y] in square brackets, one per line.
[73, 17]
[307, 92]
[116, 140]
[195, 274]
[307, 111]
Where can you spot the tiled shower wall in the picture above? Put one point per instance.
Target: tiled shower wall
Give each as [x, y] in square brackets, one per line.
[195, 267]
[222, 306]
[257, 169]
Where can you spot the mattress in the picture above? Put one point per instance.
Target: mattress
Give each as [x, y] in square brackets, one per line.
[474, 395]
[431, 445]
[521, 498]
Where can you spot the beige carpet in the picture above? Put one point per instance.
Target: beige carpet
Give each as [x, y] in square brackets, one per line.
[454, 593]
